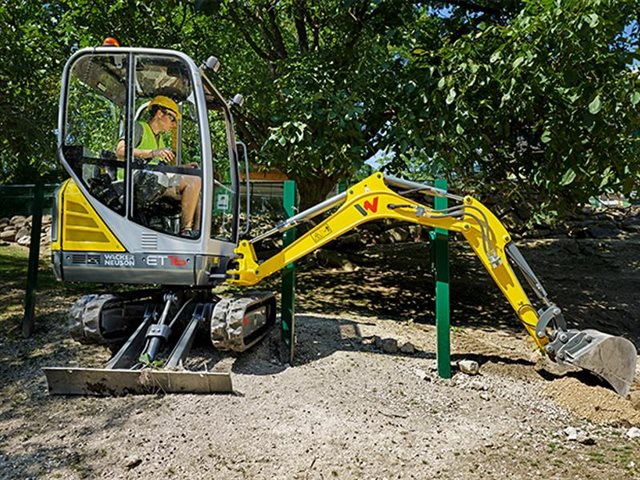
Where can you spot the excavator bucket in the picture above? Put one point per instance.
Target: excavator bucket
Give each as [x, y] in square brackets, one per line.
[609, 357]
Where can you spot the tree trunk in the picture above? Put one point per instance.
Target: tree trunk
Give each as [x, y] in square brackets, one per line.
[314, 190]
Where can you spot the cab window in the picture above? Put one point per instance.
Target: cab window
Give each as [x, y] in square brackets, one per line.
[165, 160]
[96, 101]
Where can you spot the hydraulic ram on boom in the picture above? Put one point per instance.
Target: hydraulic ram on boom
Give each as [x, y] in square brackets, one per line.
[612, 358]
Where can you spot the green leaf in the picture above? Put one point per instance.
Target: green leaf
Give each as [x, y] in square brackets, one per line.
[596, 105]
[517, 62]
[592, 19]
[451, 97]
[546, 136]
[635, 98]
[459, 129]
[495, 57]
[568, 177]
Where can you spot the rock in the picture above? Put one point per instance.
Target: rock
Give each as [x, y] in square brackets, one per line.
[469, 367]
[478, 385]
[571, 433]
[132, 462]
[422, 375]
[46, 220]
[407, 347]
[397, 235]
[485, 396]
[585, 439]
[389, 345]
[4, 244]
[8, 235]
[633, 432]
[23, 232]
[17, 219]
[377, 341]
[24, 241]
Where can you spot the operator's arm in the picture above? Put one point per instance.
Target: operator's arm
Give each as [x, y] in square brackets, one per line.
[164, 154]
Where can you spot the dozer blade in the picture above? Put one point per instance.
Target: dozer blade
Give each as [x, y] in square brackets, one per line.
[115, 382]
[611, 358]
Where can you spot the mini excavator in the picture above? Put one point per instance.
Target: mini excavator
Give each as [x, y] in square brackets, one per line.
[117, 220]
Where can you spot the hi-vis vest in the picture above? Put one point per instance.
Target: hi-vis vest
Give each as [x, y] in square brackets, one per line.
[147, 142]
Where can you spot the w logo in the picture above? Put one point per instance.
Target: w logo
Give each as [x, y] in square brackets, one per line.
[368, 206]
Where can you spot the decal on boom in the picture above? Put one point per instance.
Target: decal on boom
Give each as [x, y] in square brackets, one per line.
[368, 207]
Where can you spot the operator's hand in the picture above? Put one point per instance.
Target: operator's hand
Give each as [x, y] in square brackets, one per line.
[192, 165]
[164, 154]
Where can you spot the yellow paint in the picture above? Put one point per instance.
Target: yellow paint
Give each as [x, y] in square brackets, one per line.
[80, 228]
[370, 200]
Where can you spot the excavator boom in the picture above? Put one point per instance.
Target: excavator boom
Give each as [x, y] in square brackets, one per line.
[611, 358]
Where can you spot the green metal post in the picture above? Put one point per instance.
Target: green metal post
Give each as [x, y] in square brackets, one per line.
[28, 320]
[288, 319]
[441, 257]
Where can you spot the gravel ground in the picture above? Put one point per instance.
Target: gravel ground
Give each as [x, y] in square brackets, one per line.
[347, 408]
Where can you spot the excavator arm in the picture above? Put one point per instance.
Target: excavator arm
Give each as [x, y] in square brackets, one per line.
[376, 197]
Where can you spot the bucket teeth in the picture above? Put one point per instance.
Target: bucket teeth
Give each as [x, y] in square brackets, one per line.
[611, 358]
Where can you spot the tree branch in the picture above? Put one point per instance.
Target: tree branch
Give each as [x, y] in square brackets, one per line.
[276, 35]
[247, 36]
[298, 13]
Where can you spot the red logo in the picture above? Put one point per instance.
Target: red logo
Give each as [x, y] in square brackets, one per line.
[177, 261]
[371, 207]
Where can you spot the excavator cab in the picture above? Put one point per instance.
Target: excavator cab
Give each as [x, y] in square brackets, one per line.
[124, 210]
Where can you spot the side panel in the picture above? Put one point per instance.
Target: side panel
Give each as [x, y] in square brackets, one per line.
[82, 228]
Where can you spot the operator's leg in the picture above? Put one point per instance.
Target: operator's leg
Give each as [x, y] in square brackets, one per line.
[189, 188]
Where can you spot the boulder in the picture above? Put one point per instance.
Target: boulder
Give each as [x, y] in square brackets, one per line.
[24, 241]
[469, 367]
[408, 347]
[389, 345]
[8, 235]
[23, 232]
[18, 219]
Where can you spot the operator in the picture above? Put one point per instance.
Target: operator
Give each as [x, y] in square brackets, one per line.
[149, 145]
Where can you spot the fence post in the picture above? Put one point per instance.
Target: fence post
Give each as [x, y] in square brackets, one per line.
[441, 256]
[28, 320]
[288, 319]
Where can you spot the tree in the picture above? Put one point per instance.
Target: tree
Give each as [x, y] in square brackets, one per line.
[538, 110]
[29, 80]
[317, 77]
[532, 102]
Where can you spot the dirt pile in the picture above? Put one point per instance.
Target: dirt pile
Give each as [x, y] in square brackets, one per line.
[594, 403]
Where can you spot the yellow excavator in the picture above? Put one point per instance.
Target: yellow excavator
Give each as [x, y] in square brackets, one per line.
[142, 133]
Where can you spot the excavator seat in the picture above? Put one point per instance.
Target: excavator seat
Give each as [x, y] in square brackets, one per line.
[153, 208]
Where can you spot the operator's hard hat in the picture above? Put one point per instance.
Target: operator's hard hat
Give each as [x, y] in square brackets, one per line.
[165, 102]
